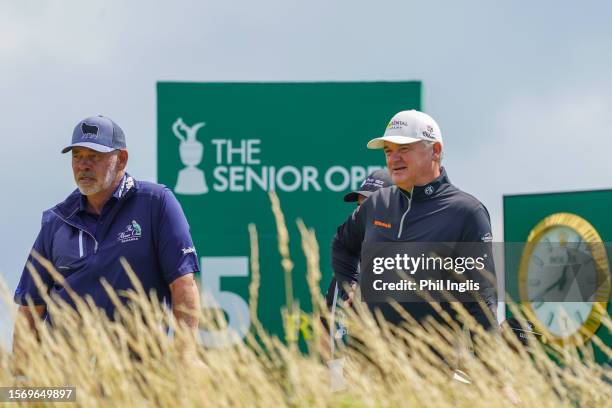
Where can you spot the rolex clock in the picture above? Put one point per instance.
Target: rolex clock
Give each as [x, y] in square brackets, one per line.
[564, 279]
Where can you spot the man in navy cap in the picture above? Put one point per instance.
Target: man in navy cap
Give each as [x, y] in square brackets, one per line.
[111, 216]
[376, 180]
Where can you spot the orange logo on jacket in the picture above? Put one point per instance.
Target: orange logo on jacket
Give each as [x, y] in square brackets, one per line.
[382, 224]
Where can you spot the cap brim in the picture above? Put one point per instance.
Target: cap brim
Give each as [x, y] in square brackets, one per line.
[353, 196]
[93, 146]
[379, 142]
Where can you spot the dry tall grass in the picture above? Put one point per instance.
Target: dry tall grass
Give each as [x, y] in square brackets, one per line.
[134, 362]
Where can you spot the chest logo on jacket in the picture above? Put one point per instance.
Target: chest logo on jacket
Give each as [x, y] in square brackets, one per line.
[132, 232]
[382, 224]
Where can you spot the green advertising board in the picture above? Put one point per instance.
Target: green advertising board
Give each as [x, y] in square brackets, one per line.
[569, 220]
[222, 146]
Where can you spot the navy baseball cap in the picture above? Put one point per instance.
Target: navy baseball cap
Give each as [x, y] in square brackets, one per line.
[98, 133]
[378, 179]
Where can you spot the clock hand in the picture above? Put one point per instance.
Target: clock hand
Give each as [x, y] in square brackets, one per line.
[538, 303]
[562, 279]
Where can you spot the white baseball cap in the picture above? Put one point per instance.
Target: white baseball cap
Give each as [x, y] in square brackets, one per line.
[408, 127]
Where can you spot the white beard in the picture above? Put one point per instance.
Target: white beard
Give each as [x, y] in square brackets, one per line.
[108, 180]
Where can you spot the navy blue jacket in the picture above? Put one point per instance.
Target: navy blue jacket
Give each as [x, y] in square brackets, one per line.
[142, 222]
[436, 212]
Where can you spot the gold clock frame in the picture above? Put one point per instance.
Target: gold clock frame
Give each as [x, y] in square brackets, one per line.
[600, 259]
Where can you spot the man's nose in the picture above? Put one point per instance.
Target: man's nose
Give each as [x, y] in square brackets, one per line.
[395, 156]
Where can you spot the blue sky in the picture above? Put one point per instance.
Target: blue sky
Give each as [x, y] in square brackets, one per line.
[522, 90]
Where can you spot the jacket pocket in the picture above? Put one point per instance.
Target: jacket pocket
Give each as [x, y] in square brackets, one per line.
[71, 248]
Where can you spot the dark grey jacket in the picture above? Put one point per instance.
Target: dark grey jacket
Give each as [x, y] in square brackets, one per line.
[436, 212]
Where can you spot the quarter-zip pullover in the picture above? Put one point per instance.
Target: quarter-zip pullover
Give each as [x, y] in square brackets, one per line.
[435, 212]
[142, 222]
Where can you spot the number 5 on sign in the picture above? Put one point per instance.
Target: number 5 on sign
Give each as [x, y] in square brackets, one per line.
[213, 269]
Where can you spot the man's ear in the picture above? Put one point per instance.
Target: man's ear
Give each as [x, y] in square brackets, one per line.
[437, 151]
[123, 159]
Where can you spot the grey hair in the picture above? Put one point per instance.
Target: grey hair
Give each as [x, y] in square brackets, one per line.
[430, 143]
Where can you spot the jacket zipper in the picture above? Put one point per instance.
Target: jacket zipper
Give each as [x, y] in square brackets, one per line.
[399, 235]
[80, 229]
[126, 194]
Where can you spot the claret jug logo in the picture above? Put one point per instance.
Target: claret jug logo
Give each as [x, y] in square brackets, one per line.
[238, 167]
[191, 180]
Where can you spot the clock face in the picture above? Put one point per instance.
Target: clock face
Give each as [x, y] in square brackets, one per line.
[563, 277]
[563, 319]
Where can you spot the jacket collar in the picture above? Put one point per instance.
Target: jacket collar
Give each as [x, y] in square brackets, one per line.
[76, 201]
[430, 189]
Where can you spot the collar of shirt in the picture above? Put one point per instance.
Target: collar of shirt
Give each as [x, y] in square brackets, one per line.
[70, 209]
[430, 189]
[124, 185]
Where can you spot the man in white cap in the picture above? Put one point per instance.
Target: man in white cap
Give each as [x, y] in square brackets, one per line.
[422, 207]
